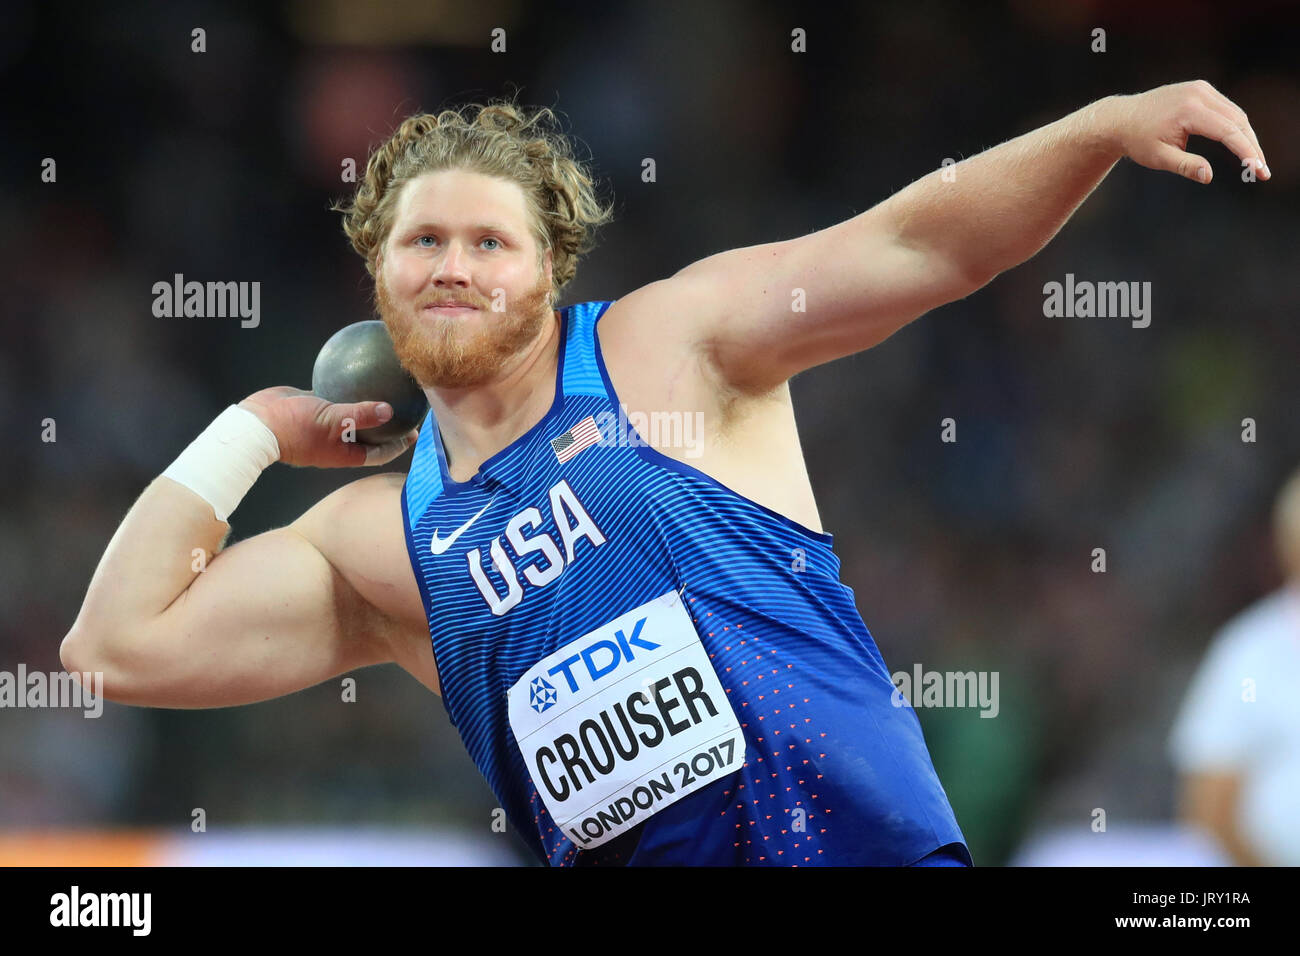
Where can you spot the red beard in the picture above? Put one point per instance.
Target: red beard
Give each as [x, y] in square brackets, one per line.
[462, 351]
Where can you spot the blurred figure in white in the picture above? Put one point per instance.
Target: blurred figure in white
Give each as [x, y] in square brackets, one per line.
[1121, 844]
[1236, 740]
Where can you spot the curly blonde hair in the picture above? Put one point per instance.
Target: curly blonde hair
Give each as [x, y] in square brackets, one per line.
[500, 140]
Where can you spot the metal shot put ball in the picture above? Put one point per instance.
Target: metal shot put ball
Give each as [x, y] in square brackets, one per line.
[358, 364]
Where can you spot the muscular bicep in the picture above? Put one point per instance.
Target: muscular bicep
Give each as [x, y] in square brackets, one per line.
[359, 530]
[267, 616]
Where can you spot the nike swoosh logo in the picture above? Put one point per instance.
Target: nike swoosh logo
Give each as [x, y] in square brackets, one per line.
[439, 546]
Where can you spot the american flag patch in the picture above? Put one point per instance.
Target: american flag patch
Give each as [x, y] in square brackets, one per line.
[580, 436]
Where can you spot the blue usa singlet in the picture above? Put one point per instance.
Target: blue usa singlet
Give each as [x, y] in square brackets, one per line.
[649, 668]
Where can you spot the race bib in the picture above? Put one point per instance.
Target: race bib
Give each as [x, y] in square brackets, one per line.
[624, 721]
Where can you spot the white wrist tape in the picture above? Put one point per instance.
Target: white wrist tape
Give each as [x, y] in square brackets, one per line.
[223, 463]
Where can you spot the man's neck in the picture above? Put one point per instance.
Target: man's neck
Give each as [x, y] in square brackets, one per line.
[479, 421]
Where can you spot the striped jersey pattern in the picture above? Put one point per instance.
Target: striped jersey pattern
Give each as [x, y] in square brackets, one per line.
[835, 773]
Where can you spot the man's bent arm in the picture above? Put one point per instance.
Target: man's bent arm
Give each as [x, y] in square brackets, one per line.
[163, 603]
[271, 615]
[166, 540]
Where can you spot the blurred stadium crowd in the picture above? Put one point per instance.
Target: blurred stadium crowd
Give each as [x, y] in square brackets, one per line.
[1073, 434]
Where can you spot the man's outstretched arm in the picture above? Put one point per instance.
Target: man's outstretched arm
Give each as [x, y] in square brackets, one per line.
[760, 315]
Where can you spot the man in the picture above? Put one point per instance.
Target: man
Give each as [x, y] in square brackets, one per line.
[1236, 741]
[651, 659]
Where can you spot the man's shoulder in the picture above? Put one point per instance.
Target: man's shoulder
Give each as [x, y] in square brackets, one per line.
[371, 491]
[658, 335]
[358, 528]
[663, 308]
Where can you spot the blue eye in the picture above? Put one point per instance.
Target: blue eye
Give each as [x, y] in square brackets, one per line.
[419, 240]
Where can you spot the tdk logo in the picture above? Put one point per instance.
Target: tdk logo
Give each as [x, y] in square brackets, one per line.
[603, 657]
[541, 695]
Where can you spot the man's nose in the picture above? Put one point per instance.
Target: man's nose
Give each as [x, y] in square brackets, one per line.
[451, 267]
